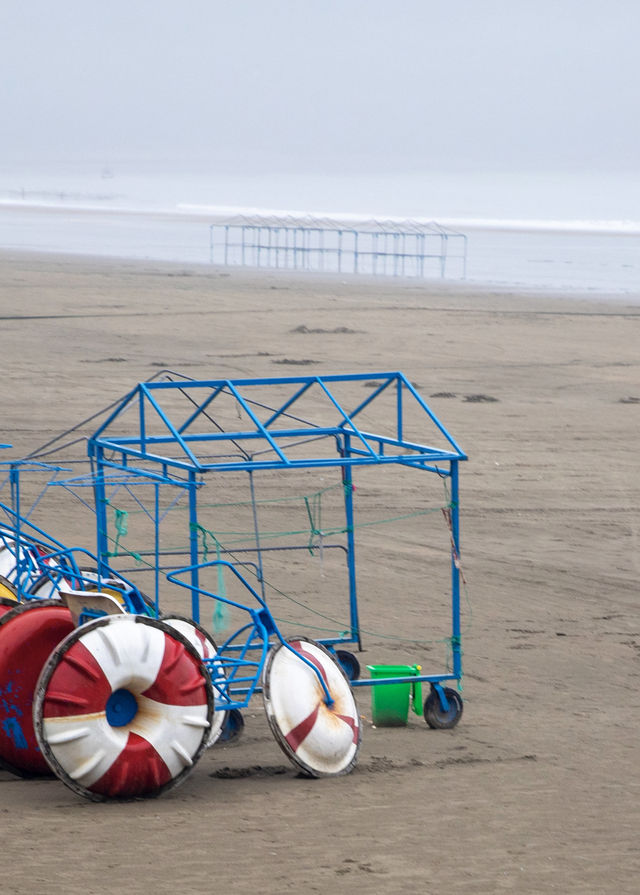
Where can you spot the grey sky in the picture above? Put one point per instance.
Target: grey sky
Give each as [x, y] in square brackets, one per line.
[323, 84]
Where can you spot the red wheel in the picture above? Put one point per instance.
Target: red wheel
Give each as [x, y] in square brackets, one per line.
[123, 708]
[28, 634]
[6, 605]
[322, 740]
[206, 647]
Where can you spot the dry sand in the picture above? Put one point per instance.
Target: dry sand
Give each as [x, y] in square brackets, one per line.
[538, 788]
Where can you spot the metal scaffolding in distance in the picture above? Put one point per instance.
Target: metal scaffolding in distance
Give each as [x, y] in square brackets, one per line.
[399, 248]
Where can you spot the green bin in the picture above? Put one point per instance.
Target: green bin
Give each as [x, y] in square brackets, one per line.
[390, 702]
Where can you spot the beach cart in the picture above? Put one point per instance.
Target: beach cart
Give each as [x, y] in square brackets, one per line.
[124, 697]
[195, 434]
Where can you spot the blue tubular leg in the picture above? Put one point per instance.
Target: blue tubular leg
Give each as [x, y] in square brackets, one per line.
[442, 696]
[101, 514]
[455, 576]
[193, 545]
[347, 481]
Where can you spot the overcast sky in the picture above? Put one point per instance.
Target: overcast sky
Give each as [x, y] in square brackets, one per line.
[323, 84]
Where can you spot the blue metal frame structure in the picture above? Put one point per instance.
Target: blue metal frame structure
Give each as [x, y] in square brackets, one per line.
[176, 448]
[235, 674]
[42, 565]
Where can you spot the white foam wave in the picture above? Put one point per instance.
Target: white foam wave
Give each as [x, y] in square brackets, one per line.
[114, 204]
[613, 227]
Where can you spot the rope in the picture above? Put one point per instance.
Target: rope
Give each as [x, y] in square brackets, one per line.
[454, 645]
[313, 507]
[446, 512]
[121, 522]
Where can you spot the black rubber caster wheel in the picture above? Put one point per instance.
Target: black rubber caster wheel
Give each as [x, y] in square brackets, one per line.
[232, 726]
[434, 714]
[349, 664]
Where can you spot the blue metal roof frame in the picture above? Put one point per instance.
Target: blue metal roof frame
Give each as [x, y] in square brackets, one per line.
[268, 442]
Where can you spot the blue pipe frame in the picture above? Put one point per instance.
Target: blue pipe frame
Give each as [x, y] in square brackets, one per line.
[147, 454]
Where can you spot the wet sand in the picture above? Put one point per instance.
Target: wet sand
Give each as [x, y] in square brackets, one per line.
[538, 787]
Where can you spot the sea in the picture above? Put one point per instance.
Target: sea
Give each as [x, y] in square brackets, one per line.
[573, 232]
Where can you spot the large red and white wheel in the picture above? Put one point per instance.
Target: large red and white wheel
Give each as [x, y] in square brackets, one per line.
[123, 708]
[322, 740]
[28, 634]
[206, 648]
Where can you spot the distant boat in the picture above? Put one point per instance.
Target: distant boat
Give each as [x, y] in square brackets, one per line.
[107, 174]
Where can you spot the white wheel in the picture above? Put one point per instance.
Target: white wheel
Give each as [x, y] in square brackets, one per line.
[322, 740]
[123, 708]
[206, 647]
[12, 553]
[47, 586]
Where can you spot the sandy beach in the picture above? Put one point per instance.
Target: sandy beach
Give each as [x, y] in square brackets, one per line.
[538, 787]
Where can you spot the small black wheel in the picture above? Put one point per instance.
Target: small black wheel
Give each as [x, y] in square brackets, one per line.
[232, 726]
[349, 664]
[434, 714]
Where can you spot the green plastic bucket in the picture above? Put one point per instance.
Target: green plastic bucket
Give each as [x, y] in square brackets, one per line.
[390, 702]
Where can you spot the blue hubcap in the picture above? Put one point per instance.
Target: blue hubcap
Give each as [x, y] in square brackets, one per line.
[121, 708]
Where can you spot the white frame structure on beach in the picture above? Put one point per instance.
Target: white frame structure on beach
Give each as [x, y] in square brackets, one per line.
[399, 248]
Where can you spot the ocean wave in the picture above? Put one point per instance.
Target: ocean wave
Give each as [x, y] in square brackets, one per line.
[63, 201]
